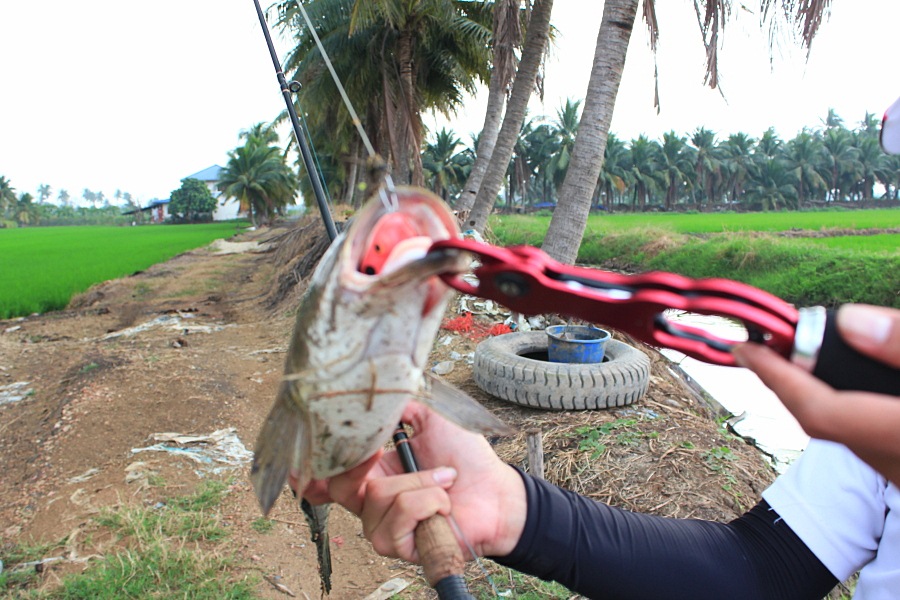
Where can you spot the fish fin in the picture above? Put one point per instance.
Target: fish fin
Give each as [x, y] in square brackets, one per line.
[317, 518]
[283, 441]
[460, 408]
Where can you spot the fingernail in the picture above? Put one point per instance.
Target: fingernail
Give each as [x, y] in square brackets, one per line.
[444, 475]
[864, 323]
[738, 354]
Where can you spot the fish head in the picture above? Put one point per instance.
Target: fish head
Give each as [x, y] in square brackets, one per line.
[387, 244]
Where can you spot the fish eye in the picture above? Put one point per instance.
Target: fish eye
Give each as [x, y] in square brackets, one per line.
[370, 270]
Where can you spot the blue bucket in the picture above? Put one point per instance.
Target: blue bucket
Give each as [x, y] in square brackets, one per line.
[576, 344]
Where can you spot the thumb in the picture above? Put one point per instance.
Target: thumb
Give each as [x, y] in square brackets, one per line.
[873, 330]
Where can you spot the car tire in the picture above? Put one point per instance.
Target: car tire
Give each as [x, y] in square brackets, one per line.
[509, 367]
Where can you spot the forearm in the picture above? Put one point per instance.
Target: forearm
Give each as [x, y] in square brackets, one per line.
[604, 552]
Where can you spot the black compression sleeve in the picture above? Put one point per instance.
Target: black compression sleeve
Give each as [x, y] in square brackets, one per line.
[605, 552]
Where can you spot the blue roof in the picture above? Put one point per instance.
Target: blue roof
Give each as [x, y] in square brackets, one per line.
[207, 174]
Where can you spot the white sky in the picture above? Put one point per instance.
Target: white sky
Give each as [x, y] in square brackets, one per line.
[107, 95]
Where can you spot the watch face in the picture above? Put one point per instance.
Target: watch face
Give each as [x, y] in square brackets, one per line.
[890, 129]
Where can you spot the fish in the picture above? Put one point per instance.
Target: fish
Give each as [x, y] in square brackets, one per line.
[359, 351]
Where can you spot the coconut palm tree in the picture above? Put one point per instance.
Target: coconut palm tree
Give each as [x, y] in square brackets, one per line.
[531, 163]
[446, 168]
[772, 185]
[645, 165]
[260, 133]
[564, 129]
[257, 176]
[870, 160]
[707, 165]
[7, 194]
[25, 212]
[506, 39]
[535, 44]
[395, 58]
[803, 158]
[577, 191]
[840, 158]
[614, 177]
[44, 192]
[737, 159]
[676, 166]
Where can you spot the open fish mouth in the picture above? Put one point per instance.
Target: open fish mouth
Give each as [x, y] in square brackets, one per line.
[399, 237]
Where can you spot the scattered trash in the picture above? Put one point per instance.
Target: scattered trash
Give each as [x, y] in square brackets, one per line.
[225, 247]
[280, 586]
[388, 589]
[85, 476]
[171, 321]
[12, 329]
[222, 448]
[443, 367]
[139, 472]
[14, 392]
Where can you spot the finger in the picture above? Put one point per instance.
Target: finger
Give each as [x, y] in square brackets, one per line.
[315, 493]
[415, 414]
[348, 489]
[810, 400]
[382, 493]
[873, 330]
[393, 533]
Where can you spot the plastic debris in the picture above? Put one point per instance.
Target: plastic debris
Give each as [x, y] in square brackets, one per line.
[174, 322]
[14, 392]
[388, 589]
[218, 451]
[443, 367]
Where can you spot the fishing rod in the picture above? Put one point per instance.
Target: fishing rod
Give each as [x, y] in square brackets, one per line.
[286, 91]
[442, 559]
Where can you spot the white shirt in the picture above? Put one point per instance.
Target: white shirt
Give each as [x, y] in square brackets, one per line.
[846, 513]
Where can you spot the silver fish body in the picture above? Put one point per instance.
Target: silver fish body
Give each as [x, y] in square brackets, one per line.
[359, 351]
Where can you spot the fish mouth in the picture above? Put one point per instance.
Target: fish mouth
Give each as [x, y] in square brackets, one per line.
[382, 241]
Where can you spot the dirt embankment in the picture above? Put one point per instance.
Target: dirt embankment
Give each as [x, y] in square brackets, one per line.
[196, 345]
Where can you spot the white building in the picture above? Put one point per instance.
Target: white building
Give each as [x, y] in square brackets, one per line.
[225, 208]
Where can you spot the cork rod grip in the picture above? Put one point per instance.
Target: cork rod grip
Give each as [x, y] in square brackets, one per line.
[438, 549]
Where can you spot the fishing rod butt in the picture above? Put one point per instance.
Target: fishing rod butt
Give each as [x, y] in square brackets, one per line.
[441, 558]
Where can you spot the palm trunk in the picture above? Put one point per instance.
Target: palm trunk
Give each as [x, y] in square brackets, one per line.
[506, 39]
[410, 142]
[526, 74]
[570, 217]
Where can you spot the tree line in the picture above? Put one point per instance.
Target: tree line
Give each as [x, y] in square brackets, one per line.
[24, 209]
[697, 171]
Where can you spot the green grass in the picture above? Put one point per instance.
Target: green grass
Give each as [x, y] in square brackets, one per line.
[167, 552]
[884, 242]
[535, 227]
[42, 268]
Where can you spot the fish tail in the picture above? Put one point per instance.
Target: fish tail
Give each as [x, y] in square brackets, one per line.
[282, 445]
[317, 517]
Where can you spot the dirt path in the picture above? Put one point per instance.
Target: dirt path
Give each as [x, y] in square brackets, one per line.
[189, 346]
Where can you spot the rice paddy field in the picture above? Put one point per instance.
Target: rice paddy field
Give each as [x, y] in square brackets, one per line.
[724, 222]
[41, 268]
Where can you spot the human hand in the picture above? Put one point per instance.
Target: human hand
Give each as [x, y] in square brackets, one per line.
[467, 479]
[867, 423]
